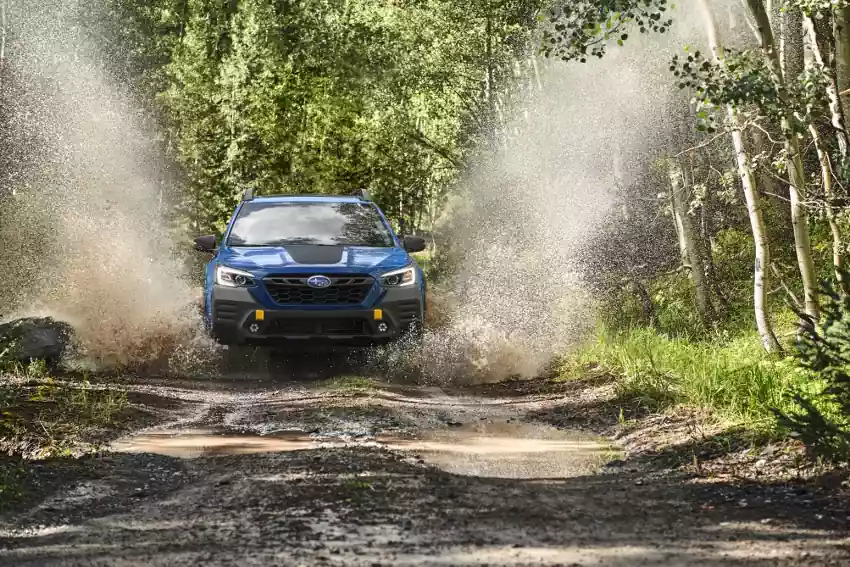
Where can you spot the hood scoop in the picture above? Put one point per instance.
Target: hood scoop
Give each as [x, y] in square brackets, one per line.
[316, 255]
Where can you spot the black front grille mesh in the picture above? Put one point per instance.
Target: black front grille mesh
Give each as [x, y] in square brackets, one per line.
[327, 327]
[293, 290]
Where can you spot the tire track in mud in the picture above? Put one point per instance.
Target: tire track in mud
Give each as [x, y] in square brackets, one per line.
[269, 472]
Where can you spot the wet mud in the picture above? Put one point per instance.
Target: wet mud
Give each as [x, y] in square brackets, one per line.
[349, 470]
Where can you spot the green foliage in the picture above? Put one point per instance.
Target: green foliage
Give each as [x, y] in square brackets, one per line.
[743, 79]
[819, 8]
[673, 297]
[321, 96]
[42, 417]
[822, 420]
[735, 379]
[583, 28]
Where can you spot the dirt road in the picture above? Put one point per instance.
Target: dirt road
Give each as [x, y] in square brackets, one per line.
[299, 468]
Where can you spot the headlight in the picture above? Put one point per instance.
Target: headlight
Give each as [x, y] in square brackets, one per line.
[399, 278]
[233, 278]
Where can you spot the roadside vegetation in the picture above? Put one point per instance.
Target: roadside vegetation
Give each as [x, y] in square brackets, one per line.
[709, 272]
[44, 417]
[742, 312]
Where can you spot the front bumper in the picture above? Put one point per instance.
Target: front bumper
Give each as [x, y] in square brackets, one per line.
[235, 319]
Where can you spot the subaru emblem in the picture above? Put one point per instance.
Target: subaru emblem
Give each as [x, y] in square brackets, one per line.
[318, 281]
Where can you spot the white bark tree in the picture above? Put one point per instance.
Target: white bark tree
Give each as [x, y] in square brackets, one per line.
[841, 32]
[689, 246]
[794, 160]
[824, 59]
[824, 52]
[753, 199]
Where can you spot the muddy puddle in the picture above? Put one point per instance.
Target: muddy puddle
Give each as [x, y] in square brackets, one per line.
[508, 450]
[193, 443]
[492, 449]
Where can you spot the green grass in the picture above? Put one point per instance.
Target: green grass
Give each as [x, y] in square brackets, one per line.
[734, 379]
[52, 418]
[348, 383]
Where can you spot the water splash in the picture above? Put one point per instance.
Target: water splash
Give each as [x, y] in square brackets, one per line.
[519, 222]
[86, 190]
[86, 199]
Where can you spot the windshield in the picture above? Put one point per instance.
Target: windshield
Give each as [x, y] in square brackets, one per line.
[326, 224]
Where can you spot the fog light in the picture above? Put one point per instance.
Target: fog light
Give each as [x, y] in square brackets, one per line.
[382, 327]
[259, 314]
[377, 314]
[254, 328]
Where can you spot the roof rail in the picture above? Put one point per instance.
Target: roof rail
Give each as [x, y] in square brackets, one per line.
[249, 194]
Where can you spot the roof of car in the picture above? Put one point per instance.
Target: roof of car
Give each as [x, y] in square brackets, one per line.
[308, 199]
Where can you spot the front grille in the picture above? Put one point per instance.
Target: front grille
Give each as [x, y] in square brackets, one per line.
[293, 290]
[325, 327]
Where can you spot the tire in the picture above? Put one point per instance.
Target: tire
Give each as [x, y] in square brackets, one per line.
[224, 337]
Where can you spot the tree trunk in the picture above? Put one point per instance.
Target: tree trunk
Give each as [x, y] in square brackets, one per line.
[751, 194]
[800, 224]
[834, 227]
[488, 31]
[680, 236]
[645, 302]
[691, 253]
[722, 305]
[824, 57]
[841, 32]
[790, 42]
[825, 60]
[2, 41]
[794, 162]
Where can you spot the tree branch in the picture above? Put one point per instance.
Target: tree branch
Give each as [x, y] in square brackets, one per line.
[702, 145]
[423, 141]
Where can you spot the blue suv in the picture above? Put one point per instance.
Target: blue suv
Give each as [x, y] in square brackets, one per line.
[313, 269]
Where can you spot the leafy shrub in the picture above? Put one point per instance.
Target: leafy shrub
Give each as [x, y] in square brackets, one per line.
[822, 420]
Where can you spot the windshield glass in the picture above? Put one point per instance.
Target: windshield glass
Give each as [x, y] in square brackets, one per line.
[328, 224]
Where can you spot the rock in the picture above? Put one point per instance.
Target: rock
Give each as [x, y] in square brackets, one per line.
[35, 338]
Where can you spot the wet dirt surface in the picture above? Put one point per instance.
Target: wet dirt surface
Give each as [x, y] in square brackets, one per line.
[291, 469]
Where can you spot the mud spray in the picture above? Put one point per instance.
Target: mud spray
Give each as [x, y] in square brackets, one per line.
[86, 190]
[519, 218]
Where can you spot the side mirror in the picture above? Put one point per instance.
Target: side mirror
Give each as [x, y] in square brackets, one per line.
[414, 243]
[205, 243]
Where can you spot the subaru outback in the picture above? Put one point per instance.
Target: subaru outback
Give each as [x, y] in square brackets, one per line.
[311, 269]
